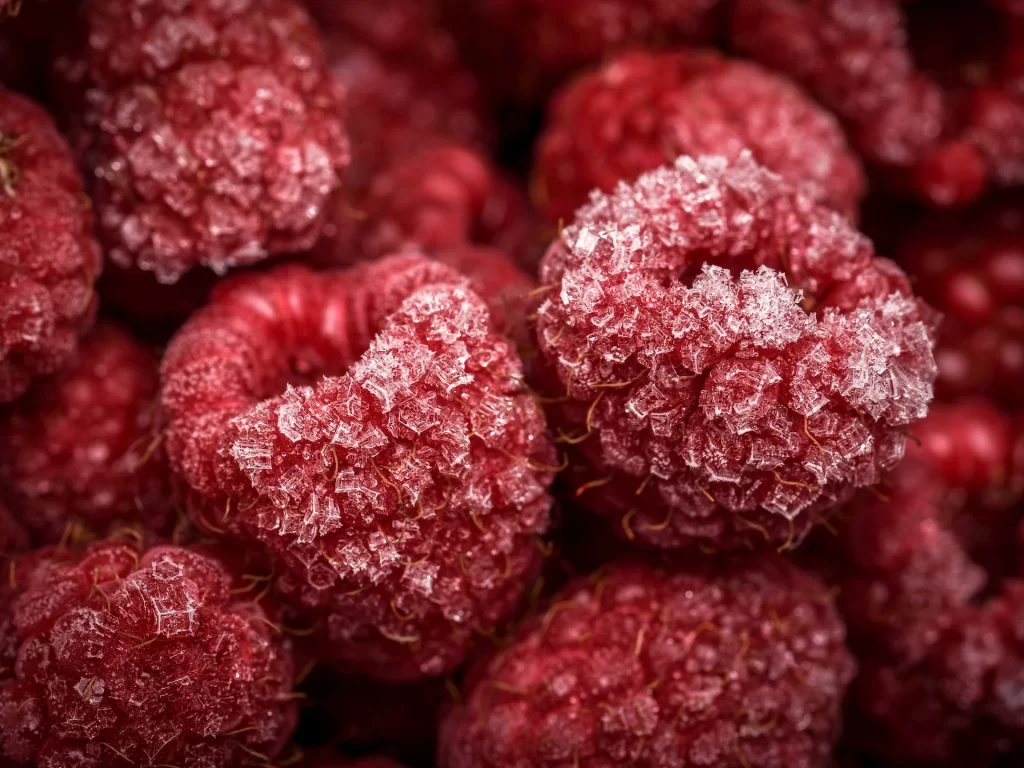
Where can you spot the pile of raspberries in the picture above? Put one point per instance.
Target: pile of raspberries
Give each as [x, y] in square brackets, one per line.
[511, 384]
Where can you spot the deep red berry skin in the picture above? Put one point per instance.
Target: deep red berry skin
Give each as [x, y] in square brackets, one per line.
[81, 447]
[971, 268]
[549, 41]
[399, 494]
[732, 663]
[443, 196]
[405, 82]
[122, 657]
[707, 399]
[944, 141]
[641, 110]
[213, 130]
[49, 259]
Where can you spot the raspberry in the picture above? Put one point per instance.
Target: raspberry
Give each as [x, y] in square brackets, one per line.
[399, 488]
[142, 659]
[80, 448]
[943, 125]
[440, 197]
[404, 80]
[213, 130]
[527, 47]
[737, 663]
[971, 267]
[643, 109]
[48, 257]
[728, 359]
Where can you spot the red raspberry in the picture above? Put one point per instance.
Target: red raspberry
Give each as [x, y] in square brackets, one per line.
[80, 448]
[213, 128]
[404, 79]
[946, 128]
[527, 47]
[737, 663]
[971, 267]
[48, 257]
[443, 196]
[729, 359]
[642, 110]
[143, 660]
[399, 495]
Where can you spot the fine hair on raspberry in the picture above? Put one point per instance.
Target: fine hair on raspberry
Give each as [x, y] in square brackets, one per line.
[370, 433]
[726, 359]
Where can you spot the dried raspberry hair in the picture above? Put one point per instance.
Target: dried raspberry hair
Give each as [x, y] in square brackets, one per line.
[726, 359]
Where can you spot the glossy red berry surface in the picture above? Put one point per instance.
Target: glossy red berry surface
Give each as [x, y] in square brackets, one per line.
[728, 360]
[971, 268]
[370, 432]
[81, 449]
[113, 656]
[733, 664]
[642, 110]
[49, 259]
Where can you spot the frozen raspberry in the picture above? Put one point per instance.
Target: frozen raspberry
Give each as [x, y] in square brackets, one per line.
[142, 660]
[642, 110]
[48, 257]
[404, 79]
[527, 47]
[728, 359]
[442, 196]
[212, 129]
[930, 93]
[81, 449]
[971, 268]
[372, 435]
[737, 663]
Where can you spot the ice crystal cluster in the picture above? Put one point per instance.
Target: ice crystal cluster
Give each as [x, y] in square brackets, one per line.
[400, 489]
[727, 358]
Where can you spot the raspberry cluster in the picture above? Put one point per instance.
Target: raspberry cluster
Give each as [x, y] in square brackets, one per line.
[642, 110]
[370, 432]
[971, 268]
[212, 130]
[727, 359]
[114, 655]
[81, 449]
[944, 131]
[735, 664]
[49, 259]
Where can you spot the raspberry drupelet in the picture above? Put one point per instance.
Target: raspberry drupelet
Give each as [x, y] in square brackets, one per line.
[404, 80]
[642, 109]
[940, 119]
[49, 259]
[726, 359]
[443, 196]
[549, 41]
[971, 268]
[732, 663]
[80, 449]
[146, 659]
[213, 130]
[369, 432]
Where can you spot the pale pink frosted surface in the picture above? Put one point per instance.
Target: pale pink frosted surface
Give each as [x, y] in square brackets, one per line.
[731, 359]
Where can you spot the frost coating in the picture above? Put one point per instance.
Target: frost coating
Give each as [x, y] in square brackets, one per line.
[49, 258]
[400, 489]
[641, 110]
[732, 664]
[149, 660]
[730, 359]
